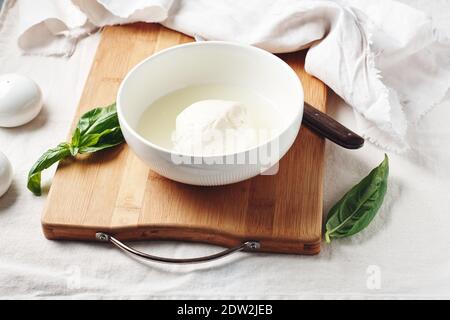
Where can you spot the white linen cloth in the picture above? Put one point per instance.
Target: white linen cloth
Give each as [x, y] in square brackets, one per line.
[379, 56]
[407, 245]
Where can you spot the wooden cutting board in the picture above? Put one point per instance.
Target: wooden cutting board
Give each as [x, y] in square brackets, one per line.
[114, 192]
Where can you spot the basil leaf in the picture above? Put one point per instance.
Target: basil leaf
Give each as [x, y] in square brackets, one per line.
[88, 119]
[76, 138]
[92, 139]
[98, 120]
[96, 130]
[46, 160]
[358, 207]
[107, 139]
[107, 121]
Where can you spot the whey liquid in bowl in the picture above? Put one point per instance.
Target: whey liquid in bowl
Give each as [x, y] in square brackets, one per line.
[210, 119]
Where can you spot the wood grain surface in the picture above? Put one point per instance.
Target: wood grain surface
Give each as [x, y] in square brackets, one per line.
[114, 192]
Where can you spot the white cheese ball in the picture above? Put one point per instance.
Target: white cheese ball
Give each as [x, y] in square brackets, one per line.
[6, 174]
[213, 127]
[20, 100]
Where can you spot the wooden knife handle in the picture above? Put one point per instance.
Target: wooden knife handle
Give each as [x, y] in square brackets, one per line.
[326, 126]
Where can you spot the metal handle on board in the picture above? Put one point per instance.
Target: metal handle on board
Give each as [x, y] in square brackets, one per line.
[247, 246]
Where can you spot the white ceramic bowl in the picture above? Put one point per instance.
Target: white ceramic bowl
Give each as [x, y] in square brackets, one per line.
[210, 62]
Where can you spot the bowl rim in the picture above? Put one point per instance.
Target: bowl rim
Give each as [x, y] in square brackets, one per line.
[124, 123]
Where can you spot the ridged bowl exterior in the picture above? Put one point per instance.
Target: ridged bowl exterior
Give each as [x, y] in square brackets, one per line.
[206, 62]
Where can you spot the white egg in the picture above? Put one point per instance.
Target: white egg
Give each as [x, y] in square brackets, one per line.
[20, 100]
[6, 174]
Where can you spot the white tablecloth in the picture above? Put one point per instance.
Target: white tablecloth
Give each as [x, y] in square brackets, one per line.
[405, 252]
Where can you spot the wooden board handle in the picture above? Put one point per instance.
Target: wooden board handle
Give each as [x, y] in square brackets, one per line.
[326, 126]
[244, 246]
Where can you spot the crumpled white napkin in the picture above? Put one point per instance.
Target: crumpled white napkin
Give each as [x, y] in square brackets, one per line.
[382, 57]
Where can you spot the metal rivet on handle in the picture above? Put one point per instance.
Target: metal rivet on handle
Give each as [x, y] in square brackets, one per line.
[253, 245]
[101, 236]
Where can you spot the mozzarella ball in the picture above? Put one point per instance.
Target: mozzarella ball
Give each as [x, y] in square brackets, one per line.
[6, 174]
[20, 100]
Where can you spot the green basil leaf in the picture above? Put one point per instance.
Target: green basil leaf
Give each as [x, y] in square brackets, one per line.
[92, 139]
[111, 139]
[358, 207]
[50, 157]
[107, 121]
[97, 118]
[104, 132]
[96, 130]
[76, 139]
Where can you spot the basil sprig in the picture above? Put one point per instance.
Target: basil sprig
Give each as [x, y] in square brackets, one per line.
[359, 206]
[96, 130]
